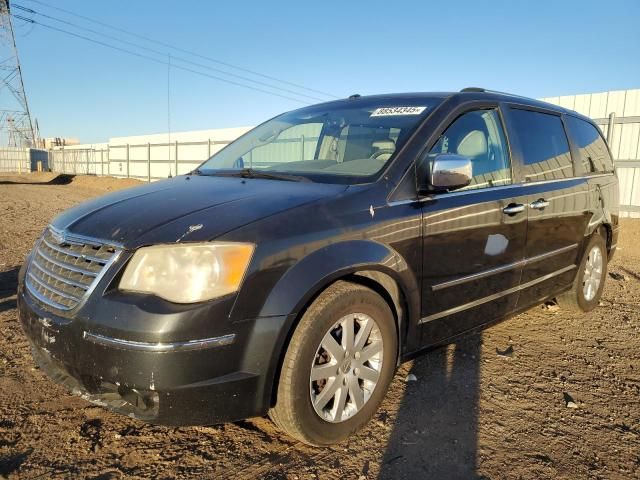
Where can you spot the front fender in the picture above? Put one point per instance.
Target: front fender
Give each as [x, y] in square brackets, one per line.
[313, 273]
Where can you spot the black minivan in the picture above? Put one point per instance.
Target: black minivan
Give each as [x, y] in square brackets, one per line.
[294, 270]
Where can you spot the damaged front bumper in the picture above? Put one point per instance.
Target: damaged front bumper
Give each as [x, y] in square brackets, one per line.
[198, 382]
[143, 405]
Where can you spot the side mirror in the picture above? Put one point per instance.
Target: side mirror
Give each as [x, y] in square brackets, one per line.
[449, 171]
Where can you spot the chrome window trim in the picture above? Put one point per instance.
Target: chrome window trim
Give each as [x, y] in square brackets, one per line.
[503, 268]
[491, 189]
[188, 345]
[495, 296]
[437, 196]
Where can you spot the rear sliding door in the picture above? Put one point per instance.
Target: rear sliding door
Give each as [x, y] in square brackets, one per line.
[557, 203]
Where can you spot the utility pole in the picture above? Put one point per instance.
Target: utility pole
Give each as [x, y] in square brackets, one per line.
[16, 127]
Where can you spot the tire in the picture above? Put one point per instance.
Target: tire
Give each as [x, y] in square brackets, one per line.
[300, 402]
[580, 298]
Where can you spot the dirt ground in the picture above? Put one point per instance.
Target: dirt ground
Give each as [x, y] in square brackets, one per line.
[492, 406]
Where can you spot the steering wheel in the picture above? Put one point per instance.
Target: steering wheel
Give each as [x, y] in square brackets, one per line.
[382, 151]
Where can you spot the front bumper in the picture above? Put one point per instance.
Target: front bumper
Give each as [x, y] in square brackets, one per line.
[214, 380]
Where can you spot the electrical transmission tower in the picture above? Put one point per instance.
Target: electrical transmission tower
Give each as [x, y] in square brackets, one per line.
[16, 126]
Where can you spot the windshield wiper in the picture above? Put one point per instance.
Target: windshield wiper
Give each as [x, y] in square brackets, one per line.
[251, 173]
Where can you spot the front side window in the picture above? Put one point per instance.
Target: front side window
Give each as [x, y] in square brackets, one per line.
[544, 144]
[594, 155]
[478, 135]
[345, 142]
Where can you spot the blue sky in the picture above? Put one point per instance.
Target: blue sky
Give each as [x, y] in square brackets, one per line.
[534, 48]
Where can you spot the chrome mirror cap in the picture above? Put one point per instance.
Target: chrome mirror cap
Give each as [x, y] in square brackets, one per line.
[450, 171]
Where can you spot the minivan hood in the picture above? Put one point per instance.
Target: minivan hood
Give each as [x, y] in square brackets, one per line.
[186, 208]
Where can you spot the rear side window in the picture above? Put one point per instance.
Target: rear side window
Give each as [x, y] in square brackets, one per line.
[545, 148]
[594, 155]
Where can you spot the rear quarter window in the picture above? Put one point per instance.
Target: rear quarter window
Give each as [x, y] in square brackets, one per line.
[594, 155]
[544, 145]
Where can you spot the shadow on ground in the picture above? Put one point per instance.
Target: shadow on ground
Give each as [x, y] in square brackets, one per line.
[8, 282]
[8, 286]
[436, 430]
[61, 179]
[12, 463]
[631, 272]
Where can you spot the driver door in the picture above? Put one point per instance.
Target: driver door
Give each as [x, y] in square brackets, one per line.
[473, 238]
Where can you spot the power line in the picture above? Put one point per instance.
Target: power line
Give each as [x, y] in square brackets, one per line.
[163, 54]
[179, 49]
[147, 57]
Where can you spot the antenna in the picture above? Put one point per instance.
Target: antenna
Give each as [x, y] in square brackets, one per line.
[169, 114]
[16, 126]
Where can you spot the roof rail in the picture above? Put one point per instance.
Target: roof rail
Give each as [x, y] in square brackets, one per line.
[486, 90]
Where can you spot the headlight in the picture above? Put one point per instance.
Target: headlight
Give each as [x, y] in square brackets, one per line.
[188, 273]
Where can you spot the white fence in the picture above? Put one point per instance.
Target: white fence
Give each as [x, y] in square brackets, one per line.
[145, 161]
[80, 161]
[153, 161]
[618, 115]
[22, 160]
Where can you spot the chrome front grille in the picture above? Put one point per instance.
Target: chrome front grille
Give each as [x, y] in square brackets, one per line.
[65, 268]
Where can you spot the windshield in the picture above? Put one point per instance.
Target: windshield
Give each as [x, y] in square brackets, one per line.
[348, 142]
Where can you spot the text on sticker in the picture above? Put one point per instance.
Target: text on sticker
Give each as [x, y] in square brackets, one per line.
[386, 111]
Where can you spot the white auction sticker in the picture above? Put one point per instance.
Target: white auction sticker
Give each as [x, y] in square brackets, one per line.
[388, 111]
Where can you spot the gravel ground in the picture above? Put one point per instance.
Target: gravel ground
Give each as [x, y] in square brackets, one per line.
[493, 405]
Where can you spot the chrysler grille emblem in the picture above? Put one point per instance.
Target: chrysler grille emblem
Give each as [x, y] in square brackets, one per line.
[58, 237]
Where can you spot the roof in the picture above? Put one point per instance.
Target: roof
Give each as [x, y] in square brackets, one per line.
[471, 93]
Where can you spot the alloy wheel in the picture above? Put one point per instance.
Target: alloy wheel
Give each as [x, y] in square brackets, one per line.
[592, 274]
[346, 367]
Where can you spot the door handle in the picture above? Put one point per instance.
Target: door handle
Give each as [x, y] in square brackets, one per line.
[540, 204]
[513, 208]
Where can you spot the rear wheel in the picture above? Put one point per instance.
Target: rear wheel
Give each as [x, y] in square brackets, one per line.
[338, 366]
[588, 285]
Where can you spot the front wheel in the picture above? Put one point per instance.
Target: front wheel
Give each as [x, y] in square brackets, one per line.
[587, 288]
[338, 366]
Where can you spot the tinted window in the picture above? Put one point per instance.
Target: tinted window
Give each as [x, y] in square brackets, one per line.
[478, 135]
[594, 156]
[544, 144]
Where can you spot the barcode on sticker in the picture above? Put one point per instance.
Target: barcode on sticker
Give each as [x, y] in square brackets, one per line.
[387, 111]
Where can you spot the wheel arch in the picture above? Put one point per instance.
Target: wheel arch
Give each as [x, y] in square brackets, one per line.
[601, 219]
[385, 272]
[603, 228]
